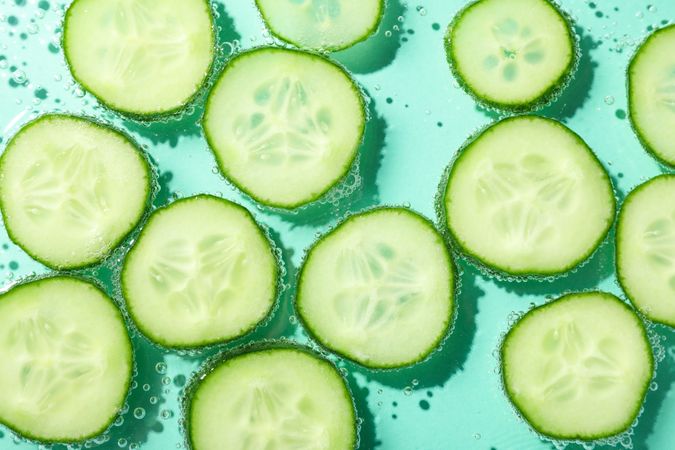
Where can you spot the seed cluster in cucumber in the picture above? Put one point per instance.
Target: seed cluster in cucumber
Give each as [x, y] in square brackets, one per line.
[322, 25]
[511, 54]
[71, 190]
[141, 57]
[645, 248]
[66, 360]
[285, 125]
[578, 367]
[207, 266]
[651, 94]
[379, 288]
[527, 196]
[283, 398]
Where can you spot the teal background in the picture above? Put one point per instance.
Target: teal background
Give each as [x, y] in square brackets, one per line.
[419, 118]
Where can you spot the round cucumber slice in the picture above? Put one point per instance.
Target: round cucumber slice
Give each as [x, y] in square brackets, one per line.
[283, 398]
[528, 197]
[141, 57]
[206, 265]
[651, 94]
[66, 360]
[285, 125]
[322, 25]
[71, 190]
[511, 54]
[578, 367]
[645, 248]
[379, 288]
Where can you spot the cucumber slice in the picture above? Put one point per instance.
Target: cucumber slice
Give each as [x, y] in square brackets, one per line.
[528, 197]
[285, 125]
[141, 57]
[645, 248]
[283, 398]
[71, 190]
[322, 25]
[66, 360]
[379, 288]
[578, 367]
[207, 266]
[511, 54]
[651, 94]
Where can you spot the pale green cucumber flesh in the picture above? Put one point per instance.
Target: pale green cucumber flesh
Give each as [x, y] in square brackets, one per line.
[578, 367]
[645, 248]
[202, 271]
[66, 360]
[71, 190]
[511, 54]
[322, 25]
[528, 197]
[284, 125]
[379, 288]
[283, 398]
[141, 57]
[651, 94]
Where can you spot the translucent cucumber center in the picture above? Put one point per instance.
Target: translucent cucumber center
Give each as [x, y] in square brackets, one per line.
[53, 363]
[69, 182]
[524, 198]
[659, 247]
[377, 287]
[576, 366]
[142, 42]
[274, 415]
[198, 278]
[285, 126]
[515, 44]
[665, 92]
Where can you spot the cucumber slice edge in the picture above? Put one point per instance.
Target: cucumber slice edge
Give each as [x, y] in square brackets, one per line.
[633, 123]
[541, 99]
[106, 128]
[221, 359]
[453, 289]
[485, 265]
[373, 28]
[278, 279]
[619, 231]
[348, 167]
[153, 115]
[571, 296]
[93, 283]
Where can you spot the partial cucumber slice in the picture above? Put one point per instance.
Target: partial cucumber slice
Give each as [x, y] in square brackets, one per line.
[322, 25]
[511, 54]
[207, 266]
[651, 94]
[283, 398]
[66, 360]
[645, 248]
[285, 125]
[379, 288]
[578, 367]
[71, 190]
[142, 57]
[528, 197]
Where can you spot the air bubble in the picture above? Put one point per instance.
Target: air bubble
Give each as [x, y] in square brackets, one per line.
[609, 100]
[153, 400]
[139, 413]
[477, 436]
[160, 368]
[387, 33]
[407, 391]
[421, 10]
[166, 381]
[166, 414]
[19, 77]
[121, 442]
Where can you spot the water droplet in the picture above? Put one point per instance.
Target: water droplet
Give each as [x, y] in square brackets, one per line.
[387, 33]
[19, 77]
[121, 442]
[166, 414]
[139, 413]
[477, 436]
[652, 8]
[146, 387]
[639, 15]
[78, 92]
[153, 400]
[407, 391]
[415, 382]
[133, 446]
[166, 381]
[422, 10]
[214, 170]
[609, 100]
